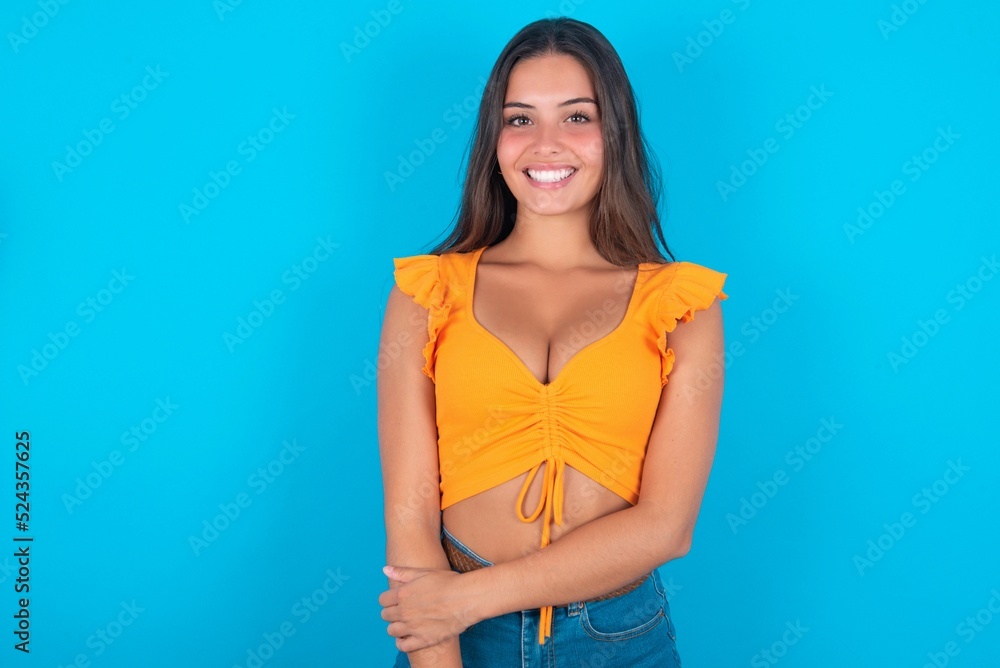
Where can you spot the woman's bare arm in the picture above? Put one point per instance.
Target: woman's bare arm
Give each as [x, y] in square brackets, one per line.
[407, 434]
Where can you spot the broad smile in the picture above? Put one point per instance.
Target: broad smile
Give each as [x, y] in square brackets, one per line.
[552, 178]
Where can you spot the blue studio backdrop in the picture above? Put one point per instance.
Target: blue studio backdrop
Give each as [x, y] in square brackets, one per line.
[199, 207]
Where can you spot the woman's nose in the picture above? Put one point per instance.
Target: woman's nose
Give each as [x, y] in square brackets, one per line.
[548, 138]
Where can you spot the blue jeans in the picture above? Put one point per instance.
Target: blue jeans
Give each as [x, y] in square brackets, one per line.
[631, 630]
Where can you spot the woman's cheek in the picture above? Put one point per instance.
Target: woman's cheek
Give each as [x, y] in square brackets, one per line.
[592, 148]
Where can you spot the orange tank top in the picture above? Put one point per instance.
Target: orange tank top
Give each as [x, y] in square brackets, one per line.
[496, 420]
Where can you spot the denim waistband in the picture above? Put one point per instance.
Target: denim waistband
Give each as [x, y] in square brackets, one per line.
[465, 549]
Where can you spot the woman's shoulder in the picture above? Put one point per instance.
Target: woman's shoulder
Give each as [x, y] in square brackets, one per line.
[437, 259]
[433, 278]
[678, 289]
[665, 273]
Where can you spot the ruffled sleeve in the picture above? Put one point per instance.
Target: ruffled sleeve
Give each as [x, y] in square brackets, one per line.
[419, 276]
[692, 288]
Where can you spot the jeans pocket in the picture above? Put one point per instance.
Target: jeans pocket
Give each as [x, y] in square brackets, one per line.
[625, 616]
[661, 591]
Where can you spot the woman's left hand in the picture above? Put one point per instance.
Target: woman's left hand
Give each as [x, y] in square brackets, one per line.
[428, 607]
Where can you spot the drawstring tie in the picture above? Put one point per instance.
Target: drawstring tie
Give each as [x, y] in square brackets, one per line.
[551, 502]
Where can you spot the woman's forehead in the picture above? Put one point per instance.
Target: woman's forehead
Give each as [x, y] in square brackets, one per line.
[549, 80]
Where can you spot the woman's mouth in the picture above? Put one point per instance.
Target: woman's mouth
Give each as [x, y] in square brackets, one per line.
[552, 178]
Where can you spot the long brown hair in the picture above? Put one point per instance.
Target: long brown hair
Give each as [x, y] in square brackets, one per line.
[625, 216]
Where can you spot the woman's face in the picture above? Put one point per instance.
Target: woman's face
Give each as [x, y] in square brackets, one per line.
[550, 150]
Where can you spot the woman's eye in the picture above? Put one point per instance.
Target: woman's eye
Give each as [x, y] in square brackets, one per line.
[576, 118]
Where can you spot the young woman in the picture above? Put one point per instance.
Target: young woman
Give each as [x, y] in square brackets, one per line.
[527, 402]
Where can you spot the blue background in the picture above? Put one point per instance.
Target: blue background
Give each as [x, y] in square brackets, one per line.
[330, 122]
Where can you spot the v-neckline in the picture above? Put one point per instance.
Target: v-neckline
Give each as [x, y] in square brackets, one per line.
[470, 302]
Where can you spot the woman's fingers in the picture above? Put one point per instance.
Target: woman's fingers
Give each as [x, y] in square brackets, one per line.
[388, 597]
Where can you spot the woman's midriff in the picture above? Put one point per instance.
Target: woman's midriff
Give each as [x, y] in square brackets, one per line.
[488, 523]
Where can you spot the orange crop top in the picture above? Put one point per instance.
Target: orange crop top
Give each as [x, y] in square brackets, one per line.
[495, 419]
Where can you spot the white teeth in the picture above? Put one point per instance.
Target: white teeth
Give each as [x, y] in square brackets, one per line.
[550, 176]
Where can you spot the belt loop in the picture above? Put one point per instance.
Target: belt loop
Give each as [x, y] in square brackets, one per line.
[573, 609]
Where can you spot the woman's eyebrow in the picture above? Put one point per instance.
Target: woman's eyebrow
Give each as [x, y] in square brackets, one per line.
[575, 100]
